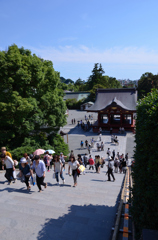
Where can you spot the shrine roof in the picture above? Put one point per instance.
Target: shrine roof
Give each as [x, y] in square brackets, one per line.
[123, 97]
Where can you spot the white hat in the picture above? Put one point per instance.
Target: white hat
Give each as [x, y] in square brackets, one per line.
[23, 160]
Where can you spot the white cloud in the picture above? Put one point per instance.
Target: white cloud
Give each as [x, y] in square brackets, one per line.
[115, 55]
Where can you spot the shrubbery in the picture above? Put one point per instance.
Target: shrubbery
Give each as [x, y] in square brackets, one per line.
[73, 103]
[30, 145]
[145, 190]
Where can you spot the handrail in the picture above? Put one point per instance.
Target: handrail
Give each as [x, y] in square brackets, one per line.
[116, 228]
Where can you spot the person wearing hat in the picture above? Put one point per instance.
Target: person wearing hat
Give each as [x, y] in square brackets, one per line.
[26, 171]
[9, 167]
[110, 169]
[39, 167]
[3, 150]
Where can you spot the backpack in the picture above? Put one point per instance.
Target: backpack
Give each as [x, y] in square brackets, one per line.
[46, 160]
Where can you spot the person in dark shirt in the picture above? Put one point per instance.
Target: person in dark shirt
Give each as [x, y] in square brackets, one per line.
[26, 171]
[124, 165]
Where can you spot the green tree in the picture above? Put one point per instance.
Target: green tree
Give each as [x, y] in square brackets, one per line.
[67, 81]
[93, 91]
[96, 77]
[113, 83]
[145, 171]
[30, 101]
[80, 85]
[146, 83]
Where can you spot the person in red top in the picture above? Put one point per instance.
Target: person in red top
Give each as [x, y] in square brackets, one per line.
[91, 162]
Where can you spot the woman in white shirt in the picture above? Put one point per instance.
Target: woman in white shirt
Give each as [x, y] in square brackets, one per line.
[9, 167]
[58, 167]
[73, 164]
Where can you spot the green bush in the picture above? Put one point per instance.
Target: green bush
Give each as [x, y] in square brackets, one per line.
[30, 145]
[145, 171]
[74, 104]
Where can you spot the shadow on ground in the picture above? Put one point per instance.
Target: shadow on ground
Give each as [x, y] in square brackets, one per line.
[82, 222]
[21, 190]
[88, 222]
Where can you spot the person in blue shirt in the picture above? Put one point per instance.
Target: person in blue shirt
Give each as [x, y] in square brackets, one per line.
[26, 171]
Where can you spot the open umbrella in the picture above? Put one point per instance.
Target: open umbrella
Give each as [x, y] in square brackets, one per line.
[39, 152]
[50, 151]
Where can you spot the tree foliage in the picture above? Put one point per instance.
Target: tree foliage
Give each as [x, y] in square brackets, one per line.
[66, 81]
[74, 104]
[145, 190]
[97, 76]
[30, 101]
[29, 145]
[146, 83]
[98, 79]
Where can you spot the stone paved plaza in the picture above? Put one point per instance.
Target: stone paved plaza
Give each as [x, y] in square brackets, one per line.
[86, 212]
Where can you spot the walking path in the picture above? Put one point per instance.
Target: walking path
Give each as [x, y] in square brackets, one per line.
[86, 212]
[60, 212]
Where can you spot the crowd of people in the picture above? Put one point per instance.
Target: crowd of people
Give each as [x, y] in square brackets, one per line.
[33, 167]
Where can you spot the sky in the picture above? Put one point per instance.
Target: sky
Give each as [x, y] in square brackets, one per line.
[122, 35]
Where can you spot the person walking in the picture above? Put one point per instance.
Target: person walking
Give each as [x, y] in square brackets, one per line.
[58, 167]
[73, 164]
[126, 158]
[28, 159]
[120, 165]
[124, 165]
[102, 161]
[91, 163]
[9, 163]
[81, 144]
[4, 150]
[47, 159]
[113, 154]
[118, 155]
[24, 168]
[100, 137]
[102, 146]
[89, 148]
[85, 159]
[81, 162]
[98, 163]
[71, 154]
[40, 169]
[92, 142]
[110, 169]
[108, 152]
[116, 164]
[86, 143]
[62, 158]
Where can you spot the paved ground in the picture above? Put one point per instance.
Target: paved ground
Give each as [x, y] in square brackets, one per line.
[86, 212]
[76, 134]
[59, 212]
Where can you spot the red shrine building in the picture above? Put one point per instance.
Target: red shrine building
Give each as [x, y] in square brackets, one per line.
[116, 108]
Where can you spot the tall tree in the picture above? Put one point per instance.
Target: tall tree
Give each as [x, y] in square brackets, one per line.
[30, 100]
[97, 76]
[146, 83]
